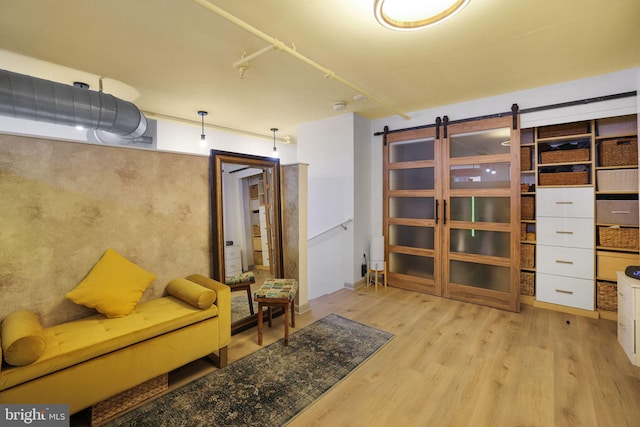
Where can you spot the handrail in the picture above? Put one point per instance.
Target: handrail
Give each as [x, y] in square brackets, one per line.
[343, 224]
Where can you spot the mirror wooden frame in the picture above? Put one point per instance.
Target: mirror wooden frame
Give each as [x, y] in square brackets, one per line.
[217, 160]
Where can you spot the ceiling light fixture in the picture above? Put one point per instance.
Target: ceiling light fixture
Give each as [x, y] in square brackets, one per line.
[408, 15]
[203, 138]
[275, 150]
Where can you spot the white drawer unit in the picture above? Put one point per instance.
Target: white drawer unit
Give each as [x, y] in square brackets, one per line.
[628, 316]
[569, 291]
[565, 202]
[565, 254]
[232, 260]
[572, 232]
[574, 262]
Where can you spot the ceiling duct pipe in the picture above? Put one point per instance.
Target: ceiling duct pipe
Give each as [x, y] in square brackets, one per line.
[31, 98]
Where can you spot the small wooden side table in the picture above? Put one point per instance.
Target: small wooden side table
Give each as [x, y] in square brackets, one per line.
[277, 293]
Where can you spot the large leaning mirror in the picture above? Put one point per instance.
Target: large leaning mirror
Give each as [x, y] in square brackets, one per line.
[246, 228]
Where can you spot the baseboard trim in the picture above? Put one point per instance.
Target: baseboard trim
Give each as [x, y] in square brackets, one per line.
[357, 285]
[304, 308]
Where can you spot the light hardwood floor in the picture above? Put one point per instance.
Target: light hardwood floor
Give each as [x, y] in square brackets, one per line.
[459, 364]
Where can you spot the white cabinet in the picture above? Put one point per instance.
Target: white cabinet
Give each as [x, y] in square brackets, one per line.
[628, 316]
[232, 260]
[565, 246]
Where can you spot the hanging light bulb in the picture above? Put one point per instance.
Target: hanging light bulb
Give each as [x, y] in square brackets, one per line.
[203, 138]
[275, 150]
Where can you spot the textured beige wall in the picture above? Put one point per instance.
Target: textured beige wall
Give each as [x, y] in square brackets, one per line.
[294, 229]
[62, 204]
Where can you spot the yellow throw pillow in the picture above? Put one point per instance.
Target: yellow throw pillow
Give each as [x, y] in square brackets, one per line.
[22, 338]
[191, 293]
[113, 287]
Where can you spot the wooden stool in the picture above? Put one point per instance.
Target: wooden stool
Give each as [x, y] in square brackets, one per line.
[242, 282]
[277, 293]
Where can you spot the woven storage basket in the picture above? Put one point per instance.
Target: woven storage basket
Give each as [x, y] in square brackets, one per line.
[525, 159]
[618, 180]
[523, 230]
[524, 188]
[619, 152]
[255, 230]
[531, 237]
[527, 256]
[564, 129]
[564, 178]
[565, 156]
[119, 403]
[617, 237]
[527, 207]
[527, 283]
[607, 298]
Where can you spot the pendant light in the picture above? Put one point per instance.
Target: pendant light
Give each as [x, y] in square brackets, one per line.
[275, 150]
[203, 138]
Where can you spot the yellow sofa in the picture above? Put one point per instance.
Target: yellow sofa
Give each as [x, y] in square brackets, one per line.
[88, 360]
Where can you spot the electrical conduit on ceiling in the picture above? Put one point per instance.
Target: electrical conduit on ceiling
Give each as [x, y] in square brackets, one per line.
[281, 46]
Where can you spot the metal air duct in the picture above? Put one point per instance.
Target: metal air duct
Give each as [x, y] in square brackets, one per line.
[31, 98]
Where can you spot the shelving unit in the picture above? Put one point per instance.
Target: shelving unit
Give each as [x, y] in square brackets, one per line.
[616, 170]
[564, 154]
[256, 202]
[528, 156]
[595, 160]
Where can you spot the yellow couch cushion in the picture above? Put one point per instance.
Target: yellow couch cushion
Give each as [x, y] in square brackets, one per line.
[70, 343]
[191, 292]
[113, 287]
[22, 338]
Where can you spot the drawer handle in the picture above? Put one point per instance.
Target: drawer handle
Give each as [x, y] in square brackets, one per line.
[564, 232]
[560, 261]
[562, 291]
[564, 203]
[620, 212]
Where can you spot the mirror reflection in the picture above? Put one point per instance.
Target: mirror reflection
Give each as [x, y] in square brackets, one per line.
[246, 228]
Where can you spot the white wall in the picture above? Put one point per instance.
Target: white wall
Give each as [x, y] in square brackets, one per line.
[363, 207]
[607, 84]
[173, 136]
[328, 147]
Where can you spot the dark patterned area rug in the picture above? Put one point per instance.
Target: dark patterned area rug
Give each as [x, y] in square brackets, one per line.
[272, 385]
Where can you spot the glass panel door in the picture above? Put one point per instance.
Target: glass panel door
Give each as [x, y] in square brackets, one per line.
[479, 242]
[412, 191]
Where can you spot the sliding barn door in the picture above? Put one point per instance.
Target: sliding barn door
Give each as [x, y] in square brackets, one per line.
[413, 190]
[451, 211]
[481, 239]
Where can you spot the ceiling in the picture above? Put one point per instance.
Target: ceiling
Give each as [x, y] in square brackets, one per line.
[174, 57]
